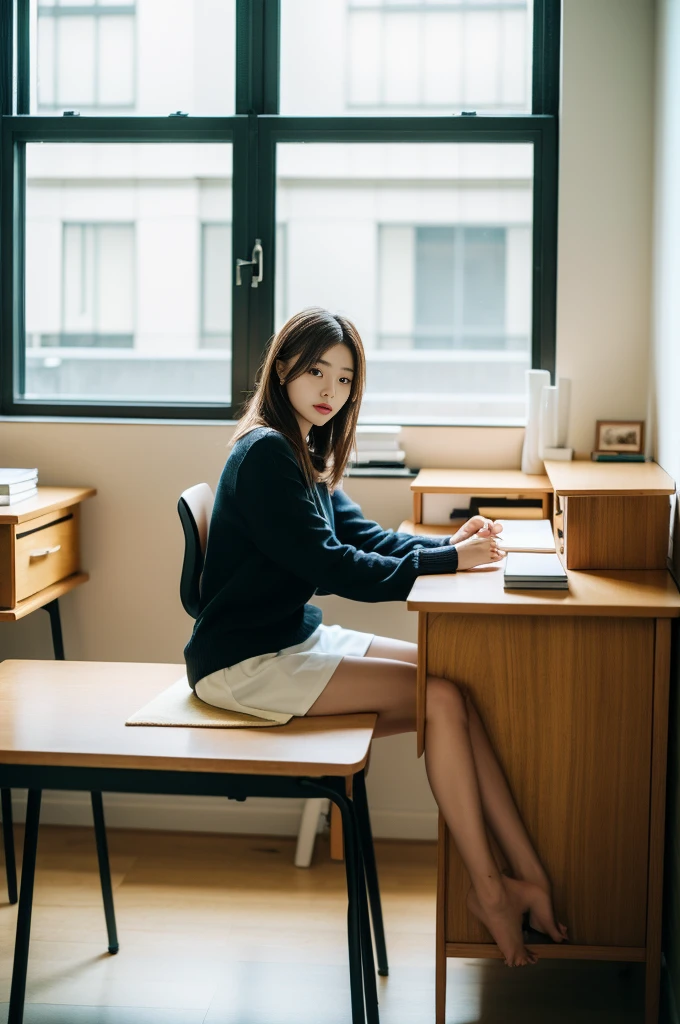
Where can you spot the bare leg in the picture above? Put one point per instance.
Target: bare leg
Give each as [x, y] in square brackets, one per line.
[500, 810]
[388, 688]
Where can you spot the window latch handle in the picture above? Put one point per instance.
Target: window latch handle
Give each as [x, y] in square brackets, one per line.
[256, 260]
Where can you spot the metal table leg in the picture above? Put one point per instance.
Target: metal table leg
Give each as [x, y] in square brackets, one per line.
[97, 806]
[8, 842]
[368, 856]
[362, 967]
[104, 870]
[357, 959]
[52, 610]
[18, 990]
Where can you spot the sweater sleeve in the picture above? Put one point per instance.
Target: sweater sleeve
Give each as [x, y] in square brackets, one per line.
[352, 528]
[283, 521]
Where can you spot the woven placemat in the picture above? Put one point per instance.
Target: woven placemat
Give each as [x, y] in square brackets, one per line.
[179, 705]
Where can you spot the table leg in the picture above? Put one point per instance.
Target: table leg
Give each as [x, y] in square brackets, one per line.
[8, 842]
[368, 855]
[361, 967]
[104, 870]
[97, 807]
[370, 985]
[357, 926]
[23, 936]
[52, 610]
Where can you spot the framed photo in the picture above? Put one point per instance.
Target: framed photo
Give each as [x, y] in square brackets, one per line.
[619, 435]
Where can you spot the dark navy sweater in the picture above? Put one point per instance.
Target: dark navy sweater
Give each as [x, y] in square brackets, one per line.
[274, 541]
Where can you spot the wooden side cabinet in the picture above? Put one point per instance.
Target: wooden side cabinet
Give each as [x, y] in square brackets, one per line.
[40, 549]
[573, 690]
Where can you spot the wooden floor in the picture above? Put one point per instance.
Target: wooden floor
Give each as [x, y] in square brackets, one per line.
[225, 930]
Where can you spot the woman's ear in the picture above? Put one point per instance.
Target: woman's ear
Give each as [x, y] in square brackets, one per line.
[280, 368]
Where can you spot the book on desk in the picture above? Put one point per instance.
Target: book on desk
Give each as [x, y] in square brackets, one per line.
[526, 570]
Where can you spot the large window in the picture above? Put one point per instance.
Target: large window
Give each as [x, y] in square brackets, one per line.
[179, 178]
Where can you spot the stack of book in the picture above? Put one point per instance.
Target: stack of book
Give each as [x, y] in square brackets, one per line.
[529, 571]
[17, 485]
[378, 446]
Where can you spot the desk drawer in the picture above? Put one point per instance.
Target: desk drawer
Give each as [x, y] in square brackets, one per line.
[45, 551]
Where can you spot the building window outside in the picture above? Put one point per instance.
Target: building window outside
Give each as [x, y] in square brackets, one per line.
[438, 56]
[216, 286]
[86, 54]
[459, 287]
[97, 288]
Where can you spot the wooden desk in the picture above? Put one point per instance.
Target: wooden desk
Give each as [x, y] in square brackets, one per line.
[39, 563]
[63, 727]
[482, 483]
[48, 522]
[573, 690]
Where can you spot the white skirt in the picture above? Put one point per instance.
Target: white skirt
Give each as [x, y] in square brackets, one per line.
[286, 683]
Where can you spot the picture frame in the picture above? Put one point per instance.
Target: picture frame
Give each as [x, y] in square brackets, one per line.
[620, 436]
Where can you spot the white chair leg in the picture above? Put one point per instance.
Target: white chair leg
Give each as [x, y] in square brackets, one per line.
[309, 823]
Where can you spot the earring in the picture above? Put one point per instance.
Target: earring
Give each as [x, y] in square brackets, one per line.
[282, 382]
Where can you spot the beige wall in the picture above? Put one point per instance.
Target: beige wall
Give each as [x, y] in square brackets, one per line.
[130, 610]
[605, 210]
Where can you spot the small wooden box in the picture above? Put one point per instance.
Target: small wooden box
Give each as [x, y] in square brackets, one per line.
[611, 516]
[39, 543]
[614, 532]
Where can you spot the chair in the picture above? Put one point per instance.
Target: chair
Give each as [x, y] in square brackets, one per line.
[195, 509]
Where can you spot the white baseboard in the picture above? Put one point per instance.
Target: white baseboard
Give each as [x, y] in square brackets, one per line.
[255, 816]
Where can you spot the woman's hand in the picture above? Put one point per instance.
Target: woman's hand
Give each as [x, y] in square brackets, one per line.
[478, 550]
[478, 526]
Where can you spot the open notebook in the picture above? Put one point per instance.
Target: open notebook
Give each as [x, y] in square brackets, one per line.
[526, 535]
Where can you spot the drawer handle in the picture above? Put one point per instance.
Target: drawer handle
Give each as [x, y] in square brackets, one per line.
[43, 552]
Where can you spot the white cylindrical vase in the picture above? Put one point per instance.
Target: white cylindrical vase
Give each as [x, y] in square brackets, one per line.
[563, 407]
[547, 430]
[536, 381]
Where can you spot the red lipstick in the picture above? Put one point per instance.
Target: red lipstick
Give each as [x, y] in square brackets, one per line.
[324, 409]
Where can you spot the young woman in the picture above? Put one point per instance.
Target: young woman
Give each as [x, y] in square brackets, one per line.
[282, 529]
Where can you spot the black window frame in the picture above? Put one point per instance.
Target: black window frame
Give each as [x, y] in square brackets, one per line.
[254, 130]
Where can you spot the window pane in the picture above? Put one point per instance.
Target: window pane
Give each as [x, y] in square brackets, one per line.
[116, 69]
[133, 56]
[75, 61]
[216, 315]
[395, 57]
[428, 249]
[128, 257]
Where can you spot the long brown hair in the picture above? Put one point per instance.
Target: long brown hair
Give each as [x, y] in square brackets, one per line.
[307, 335]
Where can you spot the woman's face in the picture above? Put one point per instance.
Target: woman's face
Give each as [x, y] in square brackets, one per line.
[321, 392]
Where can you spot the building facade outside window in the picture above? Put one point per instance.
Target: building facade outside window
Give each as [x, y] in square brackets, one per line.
[436, 55]
[86, 54]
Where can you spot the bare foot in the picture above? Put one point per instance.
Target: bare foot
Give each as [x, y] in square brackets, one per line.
[542, 916]
[503, 918]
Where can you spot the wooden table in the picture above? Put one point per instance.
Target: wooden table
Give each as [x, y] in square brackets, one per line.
[573, 690]
[62, 726]
[39, 563]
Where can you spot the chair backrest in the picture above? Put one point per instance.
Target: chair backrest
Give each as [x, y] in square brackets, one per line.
[195, 509]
